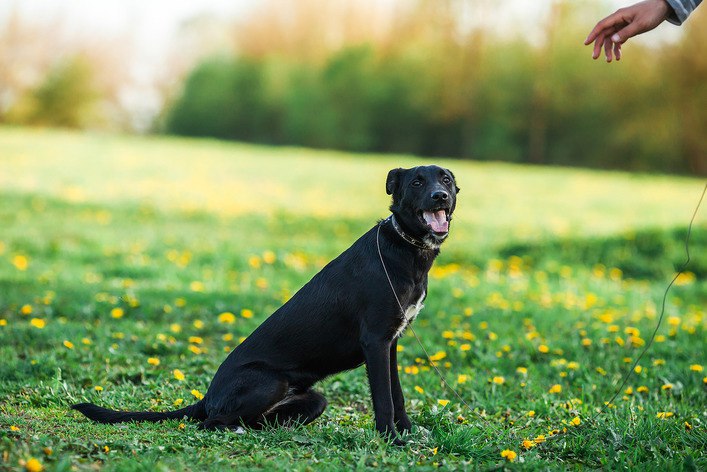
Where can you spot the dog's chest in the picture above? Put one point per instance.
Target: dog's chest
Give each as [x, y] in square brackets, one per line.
[410, 314]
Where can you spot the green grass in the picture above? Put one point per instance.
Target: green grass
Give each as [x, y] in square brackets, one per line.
[175, 232]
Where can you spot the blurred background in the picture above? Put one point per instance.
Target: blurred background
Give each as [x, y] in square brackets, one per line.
[502, 80]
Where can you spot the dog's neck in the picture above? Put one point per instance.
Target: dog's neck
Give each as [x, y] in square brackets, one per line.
[418, 243]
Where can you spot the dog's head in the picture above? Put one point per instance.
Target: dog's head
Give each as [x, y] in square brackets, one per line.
[424, 199]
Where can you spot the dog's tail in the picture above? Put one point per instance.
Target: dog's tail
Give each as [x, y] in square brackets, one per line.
[196, 411]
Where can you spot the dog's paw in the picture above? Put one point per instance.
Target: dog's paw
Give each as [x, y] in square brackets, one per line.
[403, 424]
[397, 442]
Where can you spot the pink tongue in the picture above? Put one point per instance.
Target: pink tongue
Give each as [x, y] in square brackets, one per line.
[437, 220]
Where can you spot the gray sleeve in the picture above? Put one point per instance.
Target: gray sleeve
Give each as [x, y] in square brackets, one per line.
[681, 10]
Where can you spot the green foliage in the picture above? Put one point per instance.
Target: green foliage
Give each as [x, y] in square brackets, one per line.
[473, 96]
[233, 91]
[65, 98]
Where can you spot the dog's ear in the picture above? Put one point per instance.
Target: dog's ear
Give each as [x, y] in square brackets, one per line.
[456, 187]
[393, 180]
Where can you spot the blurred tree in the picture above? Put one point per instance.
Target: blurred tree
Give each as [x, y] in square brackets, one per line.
[223, 98]
[65, 98]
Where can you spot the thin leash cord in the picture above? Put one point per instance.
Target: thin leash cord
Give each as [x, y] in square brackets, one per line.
[681, 270]
[628, 373]
[419, 341]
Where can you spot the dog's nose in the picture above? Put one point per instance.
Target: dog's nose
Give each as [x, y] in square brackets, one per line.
[440, 195]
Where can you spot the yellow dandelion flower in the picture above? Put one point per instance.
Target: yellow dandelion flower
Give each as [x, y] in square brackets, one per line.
[68, 344]
[254, 262]
[14, 428]
[586, 342]
[419, 389]
[688, 426]
[531, 413]
[462, 378]
[575, 421]
[198, 324]
[629, 391]
[197, 394]
[543, 348]
[509, 455]
[33, 465]
[465, 347]
[178, 402]
[175, 328]
[269, 257]
[539, 439]
[227, 317]
[667, 386]
[261, 283]
[117, 313]
[3, 322]
[674, 320]
[443, 402]
[522, 370]
[696, 368]
[499, 380]
[86, 341]
[246, 313]
[572, 365]
[196, 339]
[98, 388]
[26, 309]
[664, 414]
[448, 334]
[227, 337]
[527, 444]
[153, 361]
[178, 374]
[195, 349]
[38, 323]
[658, 362]
[21, 263]
[557, 388]
[600, 371]
[181, 426]
[642, 389]
[438, 356]
[197, 286]
[638, 369]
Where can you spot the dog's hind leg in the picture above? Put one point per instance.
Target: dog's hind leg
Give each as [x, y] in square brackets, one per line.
[297, 408]
[244, 400]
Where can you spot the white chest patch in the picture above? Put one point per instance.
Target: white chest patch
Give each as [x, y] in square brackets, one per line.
[410, 314]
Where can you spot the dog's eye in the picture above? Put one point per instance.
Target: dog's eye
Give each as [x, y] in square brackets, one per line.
[446, 180]
[416, 183]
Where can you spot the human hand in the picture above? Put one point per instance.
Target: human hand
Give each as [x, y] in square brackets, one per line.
[625, 23]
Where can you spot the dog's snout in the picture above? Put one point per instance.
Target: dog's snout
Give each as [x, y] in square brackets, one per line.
[440, 195]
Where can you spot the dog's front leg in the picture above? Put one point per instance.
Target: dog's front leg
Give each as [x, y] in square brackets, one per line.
[402, 422]
[377, 354]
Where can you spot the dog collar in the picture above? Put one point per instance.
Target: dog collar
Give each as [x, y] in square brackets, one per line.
[414, 241]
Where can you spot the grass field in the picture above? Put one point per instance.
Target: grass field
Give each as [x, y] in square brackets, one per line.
[129, 267]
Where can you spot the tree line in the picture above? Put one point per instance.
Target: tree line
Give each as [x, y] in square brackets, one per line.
[423, 80]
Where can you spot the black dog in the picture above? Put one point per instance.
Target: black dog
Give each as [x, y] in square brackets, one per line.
[345, 316]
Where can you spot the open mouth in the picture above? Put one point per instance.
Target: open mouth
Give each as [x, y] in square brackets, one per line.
[437, 220]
